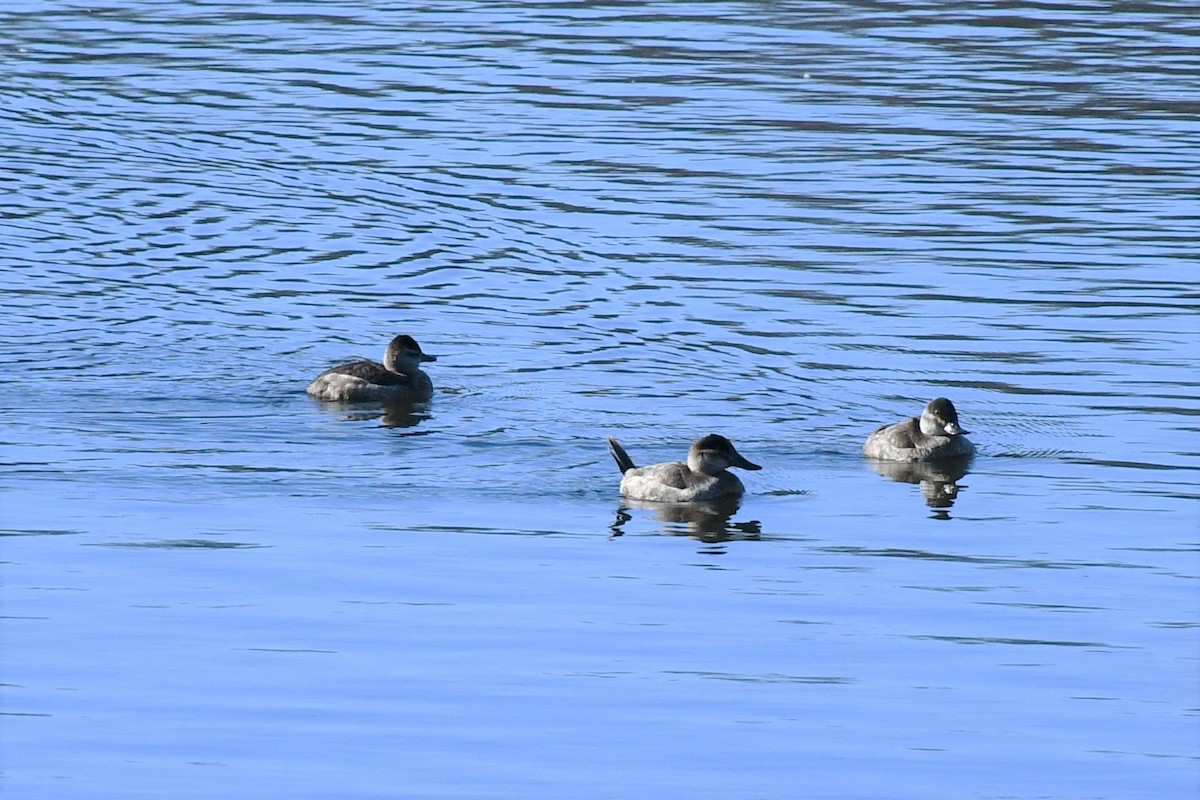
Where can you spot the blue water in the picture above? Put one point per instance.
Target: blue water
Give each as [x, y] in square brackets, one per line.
[787, 223]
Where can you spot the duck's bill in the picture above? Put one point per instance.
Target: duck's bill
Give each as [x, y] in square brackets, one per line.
[427, 357]
[953, 429]
[743, 463]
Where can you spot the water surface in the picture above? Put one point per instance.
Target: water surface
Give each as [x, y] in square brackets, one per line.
[784, 222]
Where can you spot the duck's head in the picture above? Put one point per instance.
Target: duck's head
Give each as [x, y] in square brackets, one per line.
[940, 419]
[713, 454]
[404, 355]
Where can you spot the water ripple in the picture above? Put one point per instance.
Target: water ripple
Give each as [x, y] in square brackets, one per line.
[823, 216]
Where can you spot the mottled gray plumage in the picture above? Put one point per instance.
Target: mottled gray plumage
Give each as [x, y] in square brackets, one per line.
[935, 435]
[398, 378]
[705, 475]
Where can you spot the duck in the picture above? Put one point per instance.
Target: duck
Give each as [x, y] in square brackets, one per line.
[705, 476]
[935, 435]
[399, 378]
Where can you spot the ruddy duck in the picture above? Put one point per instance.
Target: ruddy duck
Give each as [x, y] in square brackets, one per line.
[934, 436]
[398, 378]
[703, 477]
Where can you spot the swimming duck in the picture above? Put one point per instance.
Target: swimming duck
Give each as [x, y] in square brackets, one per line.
[934, 436]
[703, 477]
[398, 378]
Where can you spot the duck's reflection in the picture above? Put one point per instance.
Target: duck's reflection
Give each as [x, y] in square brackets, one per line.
[707, 520]
[938, 480]
[403, 415]
[391, 414]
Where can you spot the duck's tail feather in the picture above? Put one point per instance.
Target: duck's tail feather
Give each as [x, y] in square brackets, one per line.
[624, 462]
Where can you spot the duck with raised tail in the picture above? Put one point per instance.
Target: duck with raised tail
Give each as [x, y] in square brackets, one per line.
[705, 476]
